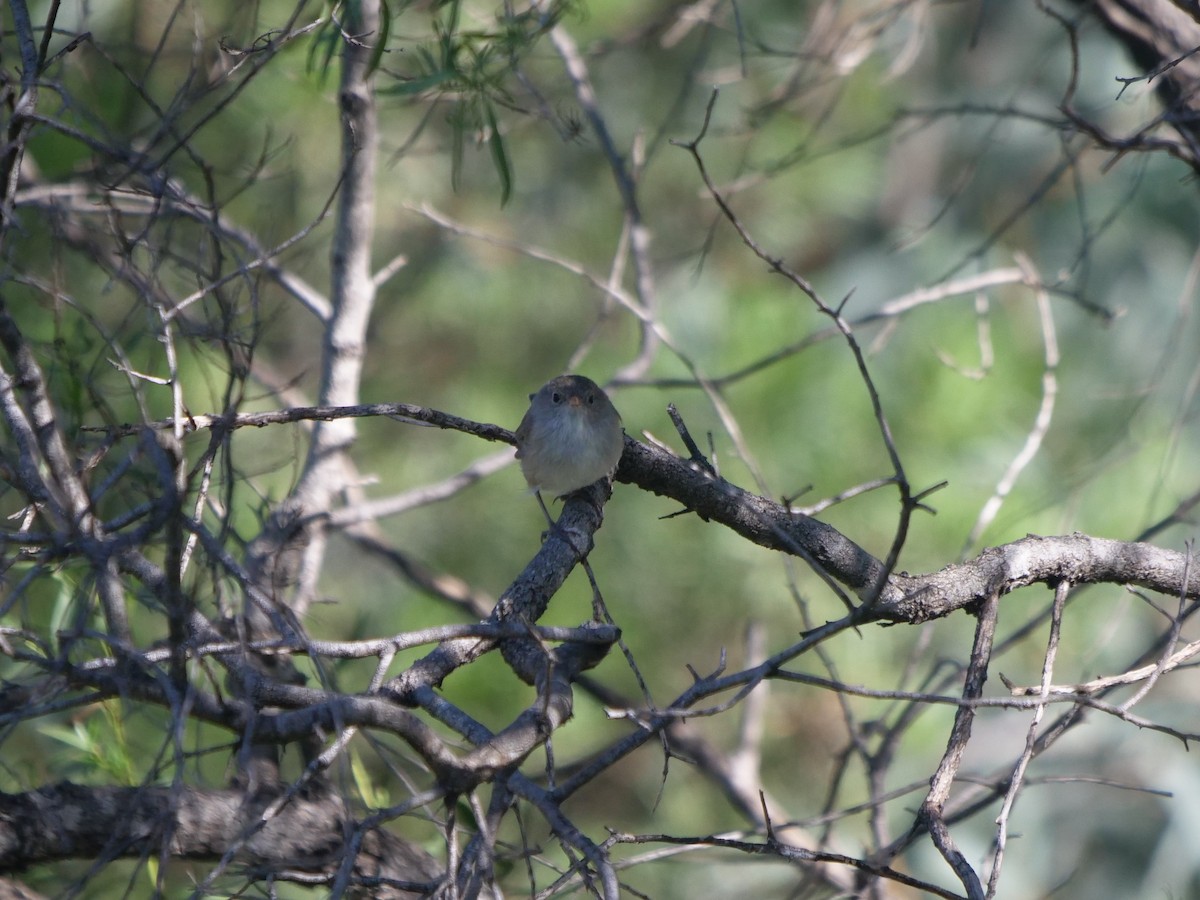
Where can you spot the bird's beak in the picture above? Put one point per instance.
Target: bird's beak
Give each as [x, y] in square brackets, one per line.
[575, 401]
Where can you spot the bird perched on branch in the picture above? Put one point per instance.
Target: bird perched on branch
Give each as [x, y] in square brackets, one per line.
[570, 437]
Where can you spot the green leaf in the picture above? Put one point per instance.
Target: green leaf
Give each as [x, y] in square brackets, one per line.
[371, 794]
[62, 602]
[325, 39]
[99, 736]
[385, 30]
[499, 154]
[455, 9]
[419, 85]
[76, 737]
[457, 127]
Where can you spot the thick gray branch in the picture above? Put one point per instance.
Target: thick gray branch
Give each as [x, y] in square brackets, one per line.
[1076, 558]
[70, 821]
[1073, 558]
[1162, 37]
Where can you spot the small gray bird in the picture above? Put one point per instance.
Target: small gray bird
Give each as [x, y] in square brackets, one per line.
[570, 437]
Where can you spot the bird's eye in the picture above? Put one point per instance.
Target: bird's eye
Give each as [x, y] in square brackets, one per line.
[556, 397]
[591, 399]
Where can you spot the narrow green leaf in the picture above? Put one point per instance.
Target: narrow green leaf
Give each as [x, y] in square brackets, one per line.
[385, 30]
[76, 736]
[455, 10]
[418, 85]
[325, 39]
[499, 154]
[456, 151]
